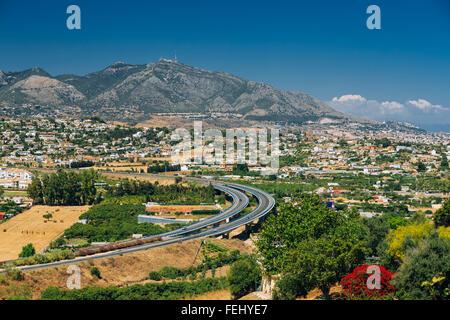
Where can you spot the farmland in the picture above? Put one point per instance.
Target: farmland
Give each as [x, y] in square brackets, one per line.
[31, 227]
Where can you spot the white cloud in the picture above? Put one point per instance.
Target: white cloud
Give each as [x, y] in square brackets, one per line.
[392, 107]
[425, 105]
[420, 112]
[350, 98]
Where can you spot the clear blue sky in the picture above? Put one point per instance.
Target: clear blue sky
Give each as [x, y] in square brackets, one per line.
[319, 47]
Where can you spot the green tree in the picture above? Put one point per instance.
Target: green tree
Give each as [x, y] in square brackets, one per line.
[378, 228]
[64, 188]
[342, 143]
[421, 265]
[35, 191]
[442, 216]
[444, 162]
[289, 287]
[421, 167]
[318, 244]
[27, 251]
[95, 272]
[244, 276]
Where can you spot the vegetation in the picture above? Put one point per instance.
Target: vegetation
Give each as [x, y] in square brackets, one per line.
[64, 188]
[289, 287]
[442, 215]
[81, 164]
[150, 291]
[205, 211]
[27, 251]
[113, 222]
[15, 274]
[11, 208]
[221, 258]
[313, 242]
[51, 256]
[399, 241]
[166, 167]
[96, 272]
[422, 264]
[244, 276]
[143, 191]
[356, 288]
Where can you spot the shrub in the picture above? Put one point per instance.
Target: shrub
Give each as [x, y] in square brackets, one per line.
[27, 251]
[431, 260]
[244, 276]
[156, 276]
[170, 272]
[355, 284]
[15, 274]
[442, 216]
[150, 291]
[95, 272]
[289, 287]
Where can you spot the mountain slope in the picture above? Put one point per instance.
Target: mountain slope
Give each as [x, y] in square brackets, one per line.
[164, 86]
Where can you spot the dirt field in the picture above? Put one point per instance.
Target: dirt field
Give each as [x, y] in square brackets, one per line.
[30, 227]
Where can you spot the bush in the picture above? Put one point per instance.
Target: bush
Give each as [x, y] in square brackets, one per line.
[355, 284]
[112, 222]
[15, 274]
[150, 291]
[442, 216]
[53, 256]
[156, 276]
[431, 259]
[289, 287]
[95, 272]
[244, 276]
[170, 272]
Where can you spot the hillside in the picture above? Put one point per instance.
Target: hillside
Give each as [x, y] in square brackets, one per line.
[123, 92]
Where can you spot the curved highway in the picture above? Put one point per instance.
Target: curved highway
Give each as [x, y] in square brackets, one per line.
[196, 230]
[240, 201]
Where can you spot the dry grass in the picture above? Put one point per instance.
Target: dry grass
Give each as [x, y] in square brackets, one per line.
[152, 179]
[215, 295]
[31, 227]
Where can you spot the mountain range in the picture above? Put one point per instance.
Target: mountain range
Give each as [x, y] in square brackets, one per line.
[165, 86]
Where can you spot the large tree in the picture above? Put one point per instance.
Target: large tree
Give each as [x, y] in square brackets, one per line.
[64, 188]
[244, 276]
[442, 216]
[422, 264]
[317, 244]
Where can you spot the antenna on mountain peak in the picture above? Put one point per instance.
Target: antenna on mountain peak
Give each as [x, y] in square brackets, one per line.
[175, 58]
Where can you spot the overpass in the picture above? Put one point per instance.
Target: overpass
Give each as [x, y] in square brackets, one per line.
[219, 224]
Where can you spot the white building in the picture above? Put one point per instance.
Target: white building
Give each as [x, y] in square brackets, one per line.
[15, 178]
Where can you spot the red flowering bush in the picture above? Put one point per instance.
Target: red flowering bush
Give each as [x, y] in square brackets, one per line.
[355, 284]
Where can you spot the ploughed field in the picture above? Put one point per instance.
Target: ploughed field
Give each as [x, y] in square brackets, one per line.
[31, 227]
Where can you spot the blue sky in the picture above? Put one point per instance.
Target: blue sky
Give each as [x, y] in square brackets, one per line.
[319, 47]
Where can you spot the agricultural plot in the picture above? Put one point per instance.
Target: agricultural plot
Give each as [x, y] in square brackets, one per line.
[31, 227]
